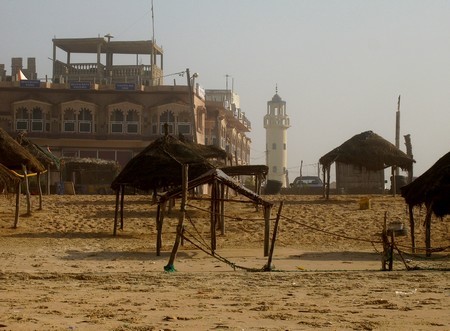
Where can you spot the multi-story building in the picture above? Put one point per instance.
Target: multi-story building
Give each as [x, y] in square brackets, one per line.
[227, 126]
[111, 111]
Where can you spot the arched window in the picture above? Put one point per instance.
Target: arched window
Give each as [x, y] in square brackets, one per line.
[30, 120]
[85, 121]
[37, 120]
[116, 121]
[22, 119]
[69, 120]
[77, 121]
[132, 121]
[166, 117]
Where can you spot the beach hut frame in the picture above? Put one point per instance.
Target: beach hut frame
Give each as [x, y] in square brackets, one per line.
[218, 181]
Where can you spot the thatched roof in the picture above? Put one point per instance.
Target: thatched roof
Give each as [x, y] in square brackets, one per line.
[370, 151]
[246, 170]
[13, 155]
[221, 177]
[83, 163]
[44, 156]
[7, 178]
[160, 165]
[433, 186]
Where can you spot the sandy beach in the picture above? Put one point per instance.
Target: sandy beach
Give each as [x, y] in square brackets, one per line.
[62, 268]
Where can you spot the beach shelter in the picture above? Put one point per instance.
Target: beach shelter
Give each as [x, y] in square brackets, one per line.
[16, 158]
[8, 180]
[431, 189]
[367, 150]
[159, 166]
[218, 181]
[44, 155]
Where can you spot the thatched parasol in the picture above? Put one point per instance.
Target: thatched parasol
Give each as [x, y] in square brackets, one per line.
[8, 180]
[159, 165]
[44, 156]
[431, 189]
[13, 155]
[367, 150]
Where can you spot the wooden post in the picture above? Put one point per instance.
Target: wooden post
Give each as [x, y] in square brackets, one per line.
[268, 267]
[48, 179]
[429, 207]
[159, 226]
[267, 210]
[411, 226]
[122, 196]
[40, 190]
[222, 209]
[116, 211]
[384, 238]
[391, 250]
[18, 192]
[27, 189]
[214, 212]
[394, 182]
[170, 265]
[328, 181]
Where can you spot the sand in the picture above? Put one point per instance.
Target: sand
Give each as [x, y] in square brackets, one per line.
[62, 269]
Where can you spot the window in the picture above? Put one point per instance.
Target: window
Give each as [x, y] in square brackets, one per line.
[77, 121]
[21, 119]
[85, 121]
[30, 120]
[274, 169]
[116, 121]
[132, 121]
[37, 120]
[274, 146]
[284, 146]
[169, 118]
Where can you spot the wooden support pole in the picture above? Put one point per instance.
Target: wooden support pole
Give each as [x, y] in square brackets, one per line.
[268, 267]
[27, 189]
[159, 225]
[267, 210]
[412, 228]
[384, 238]
[122, 196]
[391, 250]
[40, 190]
[170, 265]
[48, 179]
[18, 193]
[222, 209]
[116, 211]
[428, 228]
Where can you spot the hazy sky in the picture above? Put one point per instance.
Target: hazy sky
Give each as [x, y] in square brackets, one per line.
[340, 65]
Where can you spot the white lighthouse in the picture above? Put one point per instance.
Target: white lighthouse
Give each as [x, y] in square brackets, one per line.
[276, 123]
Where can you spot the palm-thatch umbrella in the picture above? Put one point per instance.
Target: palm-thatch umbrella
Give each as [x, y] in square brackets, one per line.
[158, 166]
[367, 150]
[431, 189]
[8, 180]
[17, 158]
[47, 158]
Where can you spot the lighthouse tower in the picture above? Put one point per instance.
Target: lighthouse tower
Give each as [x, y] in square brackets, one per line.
[276, 123]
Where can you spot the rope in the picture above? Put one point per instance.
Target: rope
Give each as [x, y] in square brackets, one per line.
[221, 258]
[331, 233]
[229, 217]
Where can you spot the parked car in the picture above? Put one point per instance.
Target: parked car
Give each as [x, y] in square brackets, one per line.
[308, 184]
